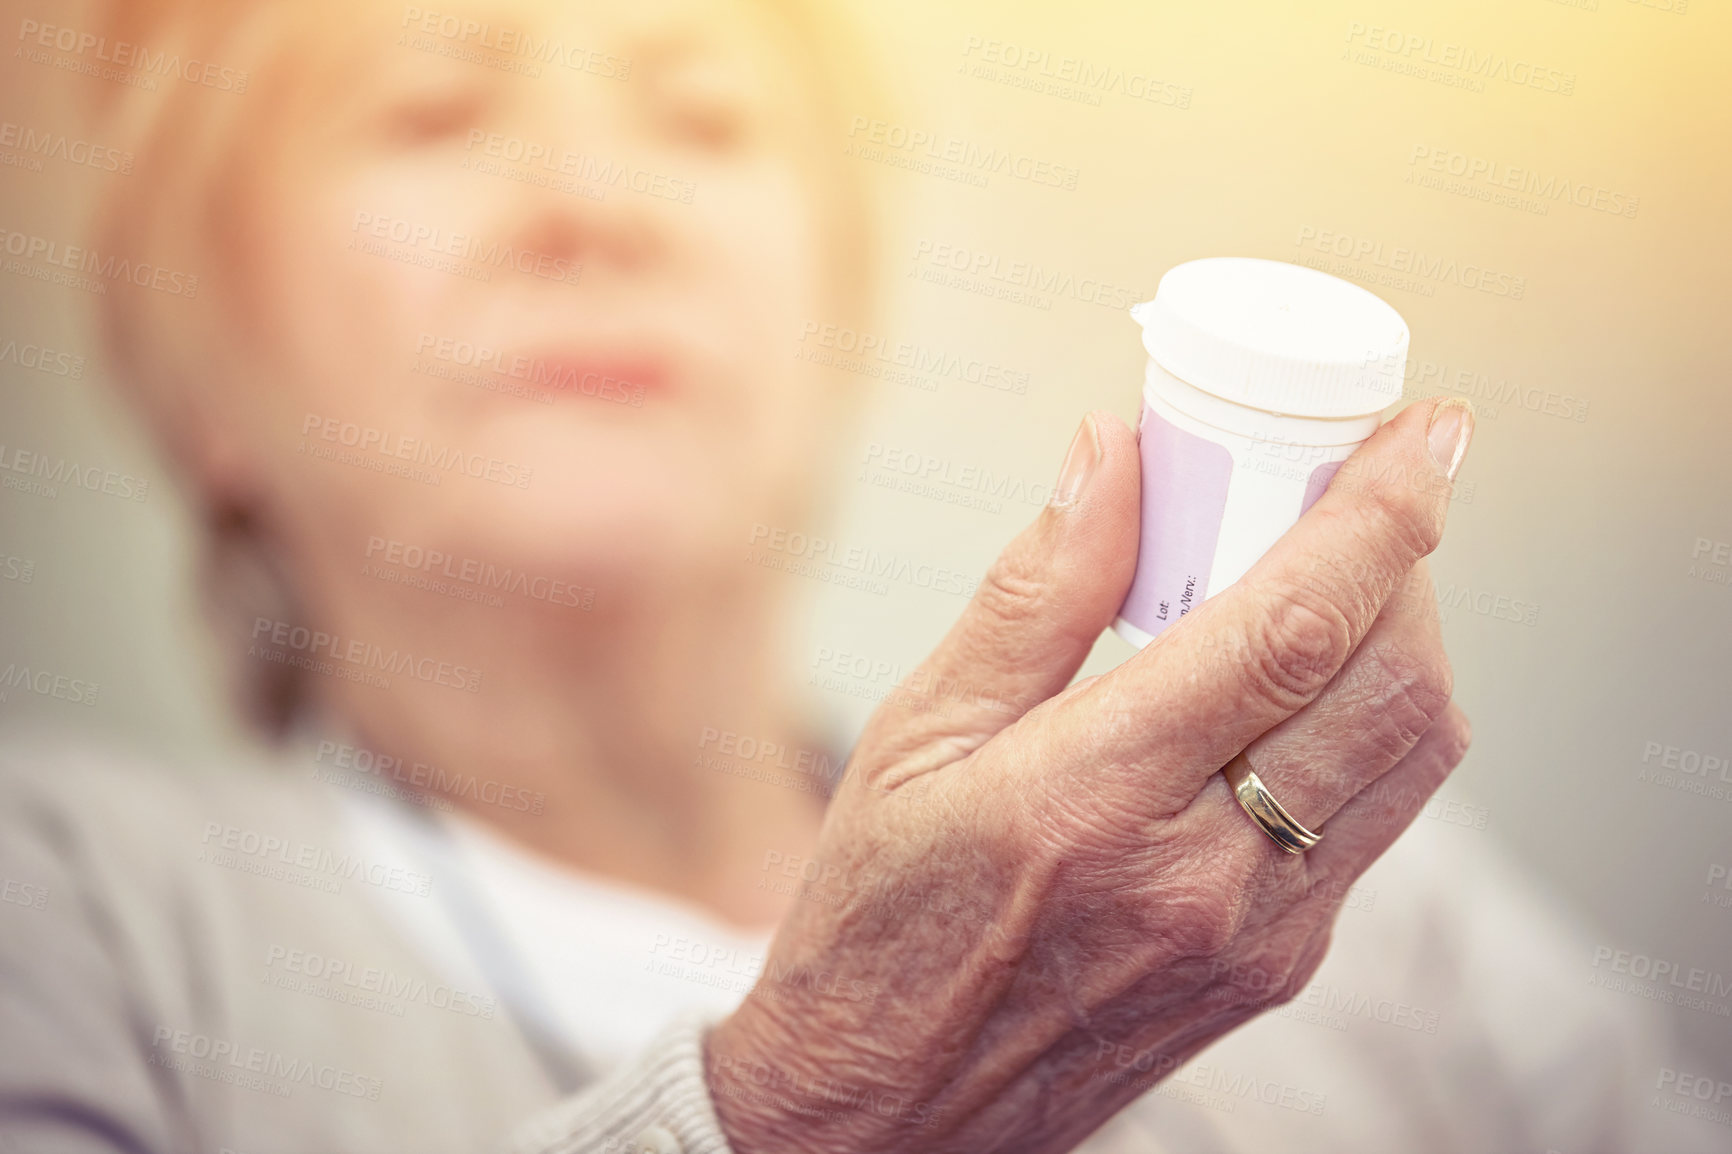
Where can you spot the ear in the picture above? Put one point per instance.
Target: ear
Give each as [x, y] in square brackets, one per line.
[203, 447]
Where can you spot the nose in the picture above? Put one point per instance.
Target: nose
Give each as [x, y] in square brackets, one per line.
[607, 234]
[580, 208]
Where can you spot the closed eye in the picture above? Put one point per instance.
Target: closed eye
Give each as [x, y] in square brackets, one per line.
[713, 125]
[433, 118]
[696, 97]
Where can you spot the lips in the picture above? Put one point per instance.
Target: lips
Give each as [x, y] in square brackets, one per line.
[625, 381]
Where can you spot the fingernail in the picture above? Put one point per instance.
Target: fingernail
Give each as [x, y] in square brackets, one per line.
[1448, 434]
[1079, 465]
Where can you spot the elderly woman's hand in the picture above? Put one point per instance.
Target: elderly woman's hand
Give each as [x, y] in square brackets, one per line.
[1027, 908]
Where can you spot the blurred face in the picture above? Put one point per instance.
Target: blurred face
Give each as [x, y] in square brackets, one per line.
[570, 245]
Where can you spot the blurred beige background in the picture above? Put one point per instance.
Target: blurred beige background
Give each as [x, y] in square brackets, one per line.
[1570, 157]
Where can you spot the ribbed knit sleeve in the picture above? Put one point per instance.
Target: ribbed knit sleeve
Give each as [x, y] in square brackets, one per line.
[659, 1104]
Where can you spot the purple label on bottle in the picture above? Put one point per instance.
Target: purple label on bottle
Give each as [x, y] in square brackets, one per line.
[1185, 481]
[1320, 478]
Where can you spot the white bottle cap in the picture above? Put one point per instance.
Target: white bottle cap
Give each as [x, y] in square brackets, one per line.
[1279, 337]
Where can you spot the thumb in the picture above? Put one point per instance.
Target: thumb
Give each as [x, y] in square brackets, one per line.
[1034, 618]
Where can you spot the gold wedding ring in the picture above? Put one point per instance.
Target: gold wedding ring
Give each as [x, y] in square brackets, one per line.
[1257, 801]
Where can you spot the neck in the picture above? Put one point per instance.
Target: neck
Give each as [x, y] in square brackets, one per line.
[639, 744]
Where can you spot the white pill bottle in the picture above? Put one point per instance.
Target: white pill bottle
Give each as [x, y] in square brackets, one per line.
[1262, 378]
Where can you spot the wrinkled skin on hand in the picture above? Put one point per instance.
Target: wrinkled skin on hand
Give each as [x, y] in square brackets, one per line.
[1035, 899]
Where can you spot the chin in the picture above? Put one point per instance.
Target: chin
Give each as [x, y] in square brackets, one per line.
[610, 538]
